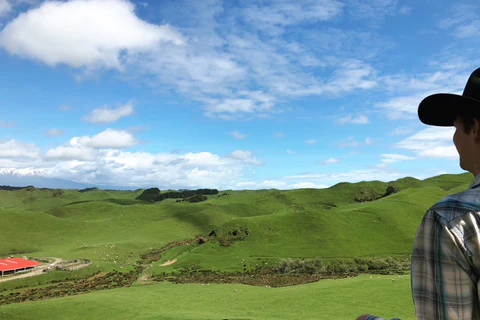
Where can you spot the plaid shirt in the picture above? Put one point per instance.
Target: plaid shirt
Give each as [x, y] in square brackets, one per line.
[446, 259]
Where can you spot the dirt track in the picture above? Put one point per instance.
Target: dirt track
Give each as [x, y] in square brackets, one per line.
[78, 266]
[37, 271]
[169, 262]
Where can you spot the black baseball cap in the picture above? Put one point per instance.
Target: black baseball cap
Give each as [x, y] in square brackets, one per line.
[442, 109]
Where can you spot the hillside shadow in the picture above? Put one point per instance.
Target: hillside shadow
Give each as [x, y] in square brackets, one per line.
[124, 202]
[198, 216]
[78, 202]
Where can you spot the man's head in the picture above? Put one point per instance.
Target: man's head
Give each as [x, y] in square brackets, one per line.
[467, 142]
[466, 122]
[442, 109]
[463, 112]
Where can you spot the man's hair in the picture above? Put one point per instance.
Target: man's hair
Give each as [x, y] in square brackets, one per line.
[467, 123]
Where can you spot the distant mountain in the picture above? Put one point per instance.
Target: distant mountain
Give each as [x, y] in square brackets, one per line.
[32, 177]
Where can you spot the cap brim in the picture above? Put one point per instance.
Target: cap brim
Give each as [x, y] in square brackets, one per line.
[442, 109]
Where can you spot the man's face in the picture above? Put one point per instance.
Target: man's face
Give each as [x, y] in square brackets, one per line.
[463, 142]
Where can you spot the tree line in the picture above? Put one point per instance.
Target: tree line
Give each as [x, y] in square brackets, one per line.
[154, 194]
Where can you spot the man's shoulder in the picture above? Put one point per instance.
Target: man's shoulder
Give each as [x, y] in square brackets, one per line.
[457, 204]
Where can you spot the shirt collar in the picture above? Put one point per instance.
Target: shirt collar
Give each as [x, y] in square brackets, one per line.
[475, 182]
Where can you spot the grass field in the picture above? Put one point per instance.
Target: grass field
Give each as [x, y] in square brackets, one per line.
[113, 230]
[326, 299]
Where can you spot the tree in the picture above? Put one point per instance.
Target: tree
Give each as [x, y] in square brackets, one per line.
[390, 190]
[152, 194]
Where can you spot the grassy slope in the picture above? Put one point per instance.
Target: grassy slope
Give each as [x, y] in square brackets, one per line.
[326, 299]
[303, 231]
[297, 223]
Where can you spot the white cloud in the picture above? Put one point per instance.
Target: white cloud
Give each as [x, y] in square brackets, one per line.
[461, 13]
[279, 135]
[86, 148]
[282, 13]
[83, 33]
[110, 138]
[169, 170]
[377, 173]
[237, 135]
[450, 76]
[54, 132]
[352, 75]
[106, 115]
[468, 30]
[431, 142]
[449, 152]
[64, 108]
[220, 69]
[214, 62]
[432, 134]
[405, 10]
[166, 170]
[265, 184]
[204, 159]
[402, 107]
[301, 185]
[373, 10]
[78, 160]
[391, 158]
[71, 153]
[463, 19]
[17, 150]
[245, 157]
[201, 73]
[277, 184]
[352, 142]
[447, 77]
[271, 184]
[311, 141]
[290, 151]
[229, 105]
[359, 119]
[5, 7]
[245, 185]
[329, 161]
[401, 131]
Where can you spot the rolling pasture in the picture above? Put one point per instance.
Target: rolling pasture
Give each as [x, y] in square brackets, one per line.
[114, 230]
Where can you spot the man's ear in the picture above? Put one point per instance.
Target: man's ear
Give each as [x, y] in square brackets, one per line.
[476, 131]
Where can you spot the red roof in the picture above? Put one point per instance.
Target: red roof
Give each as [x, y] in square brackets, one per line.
[16, 263]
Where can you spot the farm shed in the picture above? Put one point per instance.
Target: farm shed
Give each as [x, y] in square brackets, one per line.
[13, 265]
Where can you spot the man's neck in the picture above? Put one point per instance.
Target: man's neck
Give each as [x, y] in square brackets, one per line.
[476, 168]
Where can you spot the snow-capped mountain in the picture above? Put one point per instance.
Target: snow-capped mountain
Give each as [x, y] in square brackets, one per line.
[27, 172]
[34, 177]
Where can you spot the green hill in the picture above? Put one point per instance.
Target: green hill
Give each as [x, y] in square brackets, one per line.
[295, 223]
[322, 300]
[242, 229]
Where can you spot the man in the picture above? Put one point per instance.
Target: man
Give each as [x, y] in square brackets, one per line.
[446, 251]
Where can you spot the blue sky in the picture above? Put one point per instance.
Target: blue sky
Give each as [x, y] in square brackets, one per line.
[232, 94]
